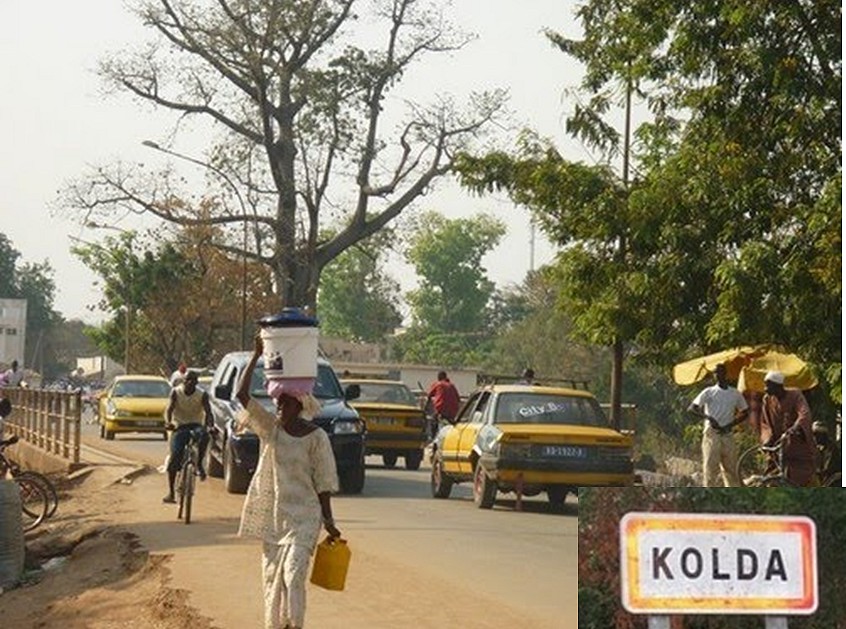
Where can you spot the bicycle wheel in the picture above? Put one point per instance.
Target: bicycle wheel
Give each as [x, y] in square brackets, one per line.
[189, 472]
[752, 467]
[34, 503]
[48, 487]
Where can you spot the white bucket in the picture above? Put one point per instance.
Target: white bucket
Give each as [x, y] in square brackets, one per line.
[289, 352]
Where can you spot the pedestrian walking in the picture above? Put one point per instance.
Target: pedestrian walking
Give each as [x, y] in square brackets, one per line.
[722, 407]
[289, 497]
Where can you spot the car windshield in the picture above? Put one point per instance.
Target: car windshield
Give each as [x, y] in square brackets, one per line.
[388, 392]
[326, 384]
[548, 408]
[141, 388]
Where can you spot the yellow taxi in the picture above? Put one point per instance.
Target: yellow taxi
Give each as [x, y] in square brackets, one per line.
[133, 403]
[530, 439]
[396, 425]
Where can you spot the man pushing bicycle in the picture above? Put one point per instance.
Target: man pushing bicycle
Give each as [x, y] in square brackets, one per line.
[188, 412]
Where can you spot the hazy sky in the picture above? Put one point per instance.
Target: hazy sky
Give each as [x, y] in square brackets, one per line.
[55, 120]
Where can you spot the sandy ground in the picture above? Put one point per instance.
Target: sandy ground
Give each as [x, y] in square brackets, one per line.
[128, 565]
[105, 579]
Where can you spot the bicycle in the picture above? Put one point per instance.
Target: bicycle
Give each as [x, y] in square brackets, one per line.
[771, 460]
[40, 479]
[186, 476]
[34, 500]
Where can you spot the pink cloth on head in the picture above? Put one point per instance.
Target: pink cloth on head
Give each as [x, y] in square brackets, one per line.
[295, 387]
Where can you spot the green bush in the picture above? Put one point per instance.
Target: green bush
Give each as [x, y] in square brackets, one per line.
[596, 609]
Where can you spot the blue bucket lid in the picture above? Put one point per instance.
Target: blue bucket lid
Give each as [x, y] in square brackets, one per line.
[288, 318]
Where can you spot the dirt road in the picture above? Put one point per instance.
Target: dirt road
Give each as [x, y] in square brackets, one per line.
[416, 562]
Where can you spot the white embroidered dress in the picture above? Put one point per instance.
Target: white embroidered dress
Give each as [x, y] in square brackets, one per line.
[282, 506]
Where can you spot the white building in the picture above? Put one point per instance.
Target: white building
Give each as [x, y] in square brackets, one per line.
[12, 331]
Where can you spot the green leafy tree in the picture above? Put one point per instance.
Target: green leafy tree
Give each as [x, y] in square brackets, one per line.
[296, 105]
[454, 293]
[358, 300]
[705, 245]
[452, 309]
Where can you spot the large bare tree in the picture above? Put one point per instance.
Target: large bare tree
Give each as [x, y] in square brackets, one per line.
[296, 97]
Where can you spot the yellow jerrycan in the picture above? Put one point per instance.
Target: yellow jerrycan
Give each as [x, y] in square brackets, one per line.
[331, 562]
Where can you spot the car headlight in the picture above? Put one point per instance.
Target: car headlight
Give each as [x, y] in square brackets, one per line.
[113, 411]
[488, 440]
[346, 427]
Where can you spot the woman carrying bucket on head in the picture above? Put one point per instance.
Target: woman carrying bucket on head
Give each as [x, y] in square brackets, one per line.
[289, 496]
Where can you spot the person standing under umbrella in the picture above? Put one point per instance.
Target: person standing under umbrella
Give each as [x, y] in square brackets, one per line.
[722, 407]
[786, 413]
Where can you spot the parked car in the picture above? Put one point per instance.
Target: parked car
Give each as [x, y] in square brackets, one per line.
[396, 425]
[133, 403]
[532, 438]
[234, 455]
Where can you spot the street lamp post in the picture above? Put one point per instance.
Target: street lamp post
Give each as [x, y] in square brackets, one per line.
[234, 188]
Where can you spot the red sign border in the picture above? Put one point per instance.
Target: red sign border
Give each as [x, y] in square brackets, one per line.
[634, 522]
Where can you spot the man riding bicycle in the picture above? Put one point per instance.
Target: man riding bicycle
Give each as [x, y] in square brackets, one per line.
[187, 413]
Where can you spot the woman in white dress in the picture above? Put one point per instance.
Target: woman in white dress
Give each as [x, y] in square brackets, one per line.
[289, 496]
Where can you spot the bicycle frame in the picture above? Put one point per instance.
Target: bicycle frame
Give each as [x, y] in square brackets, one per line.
[186, 477]
[774, 454]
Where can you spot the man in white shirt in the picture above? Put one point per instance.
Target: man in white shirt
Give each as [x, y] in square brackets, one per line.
[722, 407]
[13, 376]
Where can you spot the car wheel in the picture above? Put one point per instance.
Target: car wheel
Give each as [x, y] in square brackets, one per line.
[164, 435]
[441, 483]
[413, 459]
[389, 459]
[102, 431]
[556, 496]
[352, 479]
[235, 479]
[484, 489]
[110, 435]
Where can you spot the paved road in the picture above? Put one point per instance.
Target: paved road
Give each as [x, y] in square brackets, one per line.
[508, 566]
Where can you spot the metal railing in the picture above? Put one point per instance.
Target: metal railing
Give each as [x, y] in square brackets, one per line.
[47, 419]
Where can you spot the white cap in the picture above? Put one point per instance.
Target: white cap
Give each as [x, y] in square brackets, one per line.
[774, 376]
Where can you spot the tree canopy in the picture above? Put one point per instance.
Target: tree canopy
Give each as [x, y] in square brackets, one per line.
[297, 105]
[727, 230]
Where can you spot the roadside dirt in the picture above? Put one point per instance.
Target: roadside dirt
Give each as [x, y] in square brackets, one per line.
[97, 574]
[122, 562]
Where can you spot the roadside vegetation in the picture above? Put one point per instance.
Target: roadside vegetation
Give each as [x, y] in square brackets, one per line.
[707, 215]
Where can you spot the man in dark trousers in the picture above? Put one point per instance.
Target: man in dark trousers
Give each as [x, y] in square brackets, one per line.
[444, 398]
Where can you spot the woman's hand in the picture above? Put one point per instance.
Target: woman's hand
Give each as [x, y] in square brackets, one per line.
[333, 531]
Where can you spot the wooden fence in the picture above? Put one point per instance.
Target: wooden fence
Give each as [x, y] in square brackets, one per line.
[47, 419]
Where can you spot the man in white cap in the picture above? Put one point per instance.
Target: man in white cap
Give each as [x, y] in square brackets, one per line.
[722, 407]
[786, 412]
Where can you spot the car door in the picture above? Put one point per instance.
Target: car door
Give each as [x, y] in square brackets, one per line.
[470, 432]
[450, 448]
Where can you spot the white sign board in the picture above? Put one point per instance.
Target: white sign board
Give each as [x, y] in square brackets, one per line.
[684, 563]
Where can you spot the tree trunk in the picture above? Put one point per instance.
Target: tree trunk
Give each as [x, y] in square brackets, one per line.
[617, 384]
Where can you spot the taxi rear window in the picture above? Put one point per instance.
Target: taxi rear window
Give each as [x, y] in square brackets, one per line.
[537, 408]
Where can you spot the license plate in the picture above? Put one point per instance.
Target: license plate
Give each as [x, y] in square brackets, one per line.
[384, 421]
[570, 452]
[148, 423]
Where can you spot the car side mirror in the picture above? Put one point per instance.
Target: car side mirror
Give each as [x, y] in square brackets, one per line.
[352, 392]
[223, 392]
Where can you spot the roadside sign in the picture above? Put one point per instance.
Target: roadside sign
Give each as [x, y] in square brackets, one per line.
[685, 563]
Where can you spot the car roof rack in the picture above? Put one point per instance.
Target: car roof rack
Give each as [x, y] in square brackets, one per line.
[491, 379]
